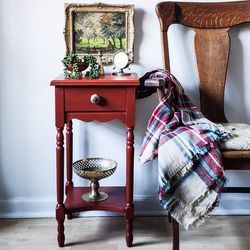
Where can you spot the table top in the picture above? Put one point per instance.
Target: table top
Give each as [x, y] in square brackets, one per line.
[106, 80]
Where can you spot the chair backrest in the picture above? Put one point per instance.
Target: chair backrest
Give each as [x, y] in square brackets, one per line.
[211, 22]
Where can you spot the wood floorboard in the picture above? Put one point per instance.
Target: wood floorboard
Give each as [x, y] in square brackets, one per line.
[108, 233]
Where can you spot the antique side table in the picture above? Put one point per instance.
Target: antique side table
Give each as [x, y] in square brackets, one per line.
[104, 99]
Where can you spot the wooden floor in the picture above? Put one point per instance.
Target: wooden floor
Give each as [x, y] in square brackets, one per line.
[107, 233]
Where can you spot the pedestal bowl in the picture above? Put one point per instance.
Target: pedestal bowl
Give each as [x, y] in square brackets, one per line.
[94, 169]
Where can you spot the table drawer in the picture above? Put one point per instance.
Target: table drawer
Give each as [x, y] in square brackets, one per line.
[111, 99]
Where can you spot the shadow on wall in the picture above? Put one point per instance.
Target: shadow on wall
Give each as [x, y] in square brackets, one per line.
[4, 208]
[3, 193]
[138, 20]
[145, 174]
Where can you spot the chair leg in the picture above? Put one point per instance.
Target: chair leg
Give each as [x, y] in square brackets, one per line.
[175, 230]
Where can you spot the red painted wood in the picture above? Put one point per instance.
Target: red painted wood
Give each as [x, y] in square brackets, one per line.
[112, 99]
[129, 165]
[129, 185]
[97, 116]
[60, 216]
[72, 102]
[60, 210]
[130, 107]
[69, 142]
[59, 103]
[106, 80]
[115, 202]
[59, 163]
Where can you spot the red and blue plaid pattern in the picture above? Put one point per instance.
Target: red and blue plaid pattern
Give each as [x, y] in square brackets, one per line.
[191, 174]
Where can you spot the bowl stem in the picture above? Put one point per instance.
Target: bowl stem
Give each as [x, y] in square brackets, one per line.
[94, 195]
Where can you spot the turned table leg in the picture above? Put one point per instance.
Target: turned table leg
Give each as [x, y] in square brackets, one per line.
[69, 142]
[129, 186]
[60, 210]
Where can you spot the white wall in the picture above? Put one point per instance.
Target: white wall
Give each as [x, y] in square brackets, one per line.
[31, 48]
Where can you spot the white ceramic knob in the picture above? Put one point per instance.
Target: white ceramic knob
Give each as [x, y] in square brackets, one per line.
[95, 99]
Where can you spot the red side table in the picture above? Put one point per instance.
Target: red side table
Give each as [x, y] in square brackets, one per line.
[73, 101]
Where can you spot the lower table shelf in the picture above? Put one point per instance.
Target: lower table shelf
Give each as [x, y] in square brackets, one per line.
[115, 202]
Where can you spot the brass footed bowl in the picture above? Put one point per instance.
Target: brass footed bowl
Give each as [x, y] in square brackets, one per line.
[94, 169]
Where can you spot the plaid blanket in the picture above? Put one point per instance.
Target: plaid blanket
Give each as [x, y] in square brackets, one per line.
[191, 174]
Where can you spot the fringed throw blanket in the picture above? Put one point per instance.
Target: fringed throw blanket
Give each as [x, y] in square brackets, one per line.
[191, 174]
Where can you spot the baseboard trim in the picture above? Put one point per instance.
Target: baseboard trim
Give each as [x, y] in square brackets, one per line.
[230, 204]
[28, 207]
[145, 205]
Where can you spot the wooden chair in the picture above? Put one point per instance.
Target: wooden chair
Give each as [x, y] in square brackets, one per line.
[211, 23]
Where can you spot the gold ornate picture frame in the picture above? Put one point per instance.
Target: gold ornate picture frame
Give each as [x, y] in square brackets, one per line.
[91, 28]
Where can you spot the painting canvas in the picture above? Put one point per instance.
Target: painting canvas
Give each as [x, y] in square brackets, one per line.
[99, 31]
[99, 27]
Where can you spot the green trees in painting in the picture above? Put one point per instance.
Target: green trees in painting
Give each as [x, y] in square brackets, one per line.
[119, 27]
[99, 30]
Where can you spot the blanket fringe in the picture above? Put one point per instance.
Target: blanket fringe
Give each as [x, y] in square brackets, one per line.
[181, 210]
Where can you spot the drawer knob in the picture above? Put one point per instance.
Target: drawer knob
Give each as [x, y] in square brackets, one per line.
[95, 99]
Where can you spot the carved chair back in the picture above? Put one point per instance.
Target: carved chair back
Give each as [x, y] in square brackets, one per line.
[211, 23]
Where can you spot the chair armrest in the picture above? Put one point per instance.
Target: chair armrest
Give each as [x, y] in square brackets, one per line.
[158, 83]
[155, 82]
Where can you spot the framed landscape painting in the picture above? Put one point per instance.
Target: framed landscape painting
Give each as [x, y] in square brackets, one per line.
[95, 28]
